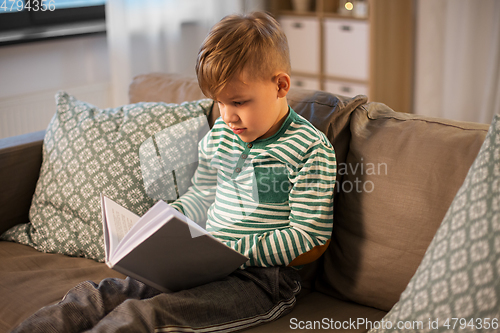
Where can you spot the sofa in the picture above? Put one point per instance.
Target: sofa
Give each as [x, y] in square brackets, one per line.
[398, 174]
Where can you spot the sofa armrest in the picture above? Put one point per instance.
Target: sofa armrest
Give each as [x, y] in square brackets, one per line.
[20, 162]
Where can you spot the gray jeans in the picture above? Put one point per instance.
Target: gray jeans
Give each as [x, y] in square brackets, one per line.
[244, 299]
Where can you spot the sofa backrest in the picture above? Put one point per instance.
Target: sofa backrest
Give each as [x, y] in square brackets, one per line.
[327, 112]
[397, 175]
[401, 174]
[20, 161]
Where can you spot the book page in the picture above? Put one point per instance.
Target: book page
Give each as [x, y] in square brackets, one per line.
[119, 221]
[144, 223]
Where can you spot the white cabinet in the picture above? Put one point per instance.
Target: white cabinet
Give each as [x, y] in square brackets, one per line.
[305, 82]
[346, 48]
[345, 88]
[304, 43]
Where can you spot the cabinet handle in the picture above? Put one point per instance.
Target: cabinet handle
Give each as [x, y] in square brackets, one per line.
[297, 25]
[299, 83]
[345, 28]
[346, 89]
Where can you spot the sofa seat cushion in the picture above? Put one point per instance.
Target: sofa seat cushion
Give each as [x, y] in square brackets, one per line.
[318, 312]
[30, 280]
[401, 174]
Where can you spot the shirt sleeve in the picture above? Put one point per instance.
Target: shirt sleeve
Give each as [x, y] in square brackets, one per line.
[311, 213]
[196, 201]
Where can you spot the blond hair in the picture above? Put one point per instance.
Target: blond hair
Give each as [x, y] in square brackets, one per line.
[254, 42]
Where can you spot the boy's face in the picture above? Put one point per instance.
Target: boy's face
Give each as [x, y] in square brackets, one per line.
[254, 108]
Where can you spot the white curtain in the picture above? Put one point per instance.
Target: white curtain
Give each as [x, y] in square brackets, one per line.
[160, 36]
[457, 68]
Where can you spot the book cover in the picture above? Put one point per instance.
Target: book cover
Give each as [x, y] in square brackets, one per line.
[164, 248]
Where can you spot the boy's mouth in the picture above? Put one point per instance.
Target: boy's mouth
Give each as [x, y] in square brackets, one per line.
[238, 130]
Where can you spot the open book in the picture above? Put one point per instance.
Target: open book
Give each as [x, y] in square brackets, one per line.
[164, 248]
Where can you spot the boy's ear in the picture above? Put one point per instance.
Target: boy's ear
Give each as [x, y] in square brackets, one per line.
[283, 84]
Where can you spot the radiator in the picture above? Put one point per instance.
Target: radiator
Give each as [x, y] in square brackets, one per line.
[33, 112]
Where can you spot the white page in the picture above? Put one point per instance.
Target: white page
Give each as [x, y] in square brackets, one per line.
[140, 235]
[119, 221]
[143, 223]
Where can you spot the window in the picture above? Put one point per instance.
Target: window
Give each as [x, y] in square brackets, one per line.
[29, 20]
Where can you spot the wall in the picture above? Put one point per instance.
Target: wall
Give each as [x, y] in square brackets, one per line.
[31, 74]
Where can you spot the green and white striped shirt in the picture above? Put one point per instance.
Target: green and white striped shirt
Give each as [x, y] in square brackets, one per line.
[271, 199]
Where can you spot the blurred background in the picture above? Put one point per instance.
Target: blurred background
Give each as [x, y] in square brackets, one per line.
[438, 58]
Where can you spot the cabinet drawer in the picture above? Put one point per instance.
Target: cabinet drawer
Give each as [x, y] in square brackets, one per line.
[303, 41]
[346, 49]
[305, 82]
[348, 89]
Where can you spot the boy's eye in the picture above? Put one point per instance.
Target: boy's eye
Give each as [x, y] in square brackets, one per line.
[239, 103]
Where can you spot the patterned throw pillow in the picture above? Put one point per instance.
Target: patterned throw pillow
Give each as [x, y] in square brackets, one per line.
[456, 288]
[88, 151]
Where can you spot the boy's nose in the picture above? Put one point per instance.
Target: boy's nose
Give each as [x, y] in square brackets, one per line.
[228, 115]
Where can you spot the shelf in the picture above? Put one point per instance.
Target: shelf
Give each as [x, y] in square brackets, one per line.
[296, 13]
[315, 14]
[304, 74]
[319, 8]
[345, 79]
[344, 17]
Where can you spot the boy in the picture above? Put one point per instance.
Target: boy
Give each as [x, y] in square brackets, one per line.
[264, 186]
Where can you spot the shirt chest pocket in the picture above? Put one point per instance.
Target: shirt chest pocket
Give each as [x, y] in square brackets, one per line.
[272, 185]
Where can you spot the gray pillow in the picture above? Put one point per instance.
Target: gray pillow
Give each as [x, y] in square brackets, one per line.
[88, 151]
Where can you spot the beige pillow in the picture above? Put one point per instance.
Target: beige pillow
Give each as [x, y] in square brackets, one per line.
[401, 174]
[457, 286]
